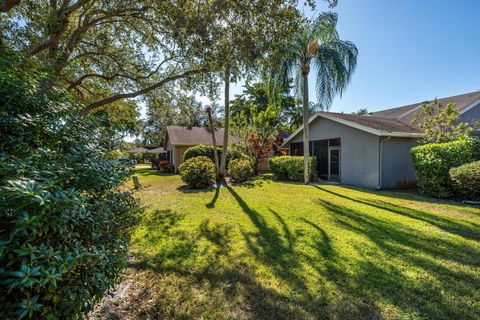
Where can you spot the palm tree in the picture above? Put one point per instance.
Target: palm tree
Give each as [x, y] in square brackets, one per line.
[334, 60]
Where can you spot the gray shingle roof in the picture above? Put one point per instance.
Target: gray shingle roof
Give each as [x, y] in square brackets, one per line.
[378, 123]
[178, 135]
[405, 114]
[392, 121]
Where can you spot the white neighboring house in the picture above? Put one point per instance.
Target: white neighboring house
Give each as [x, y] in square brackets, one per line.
[371, 150]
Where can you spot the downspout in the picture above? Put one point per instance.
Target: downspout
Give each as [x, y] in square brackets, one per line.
[380, 160]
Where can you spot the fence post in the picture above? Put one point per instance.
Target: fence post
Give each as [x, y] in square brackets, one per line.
[136, 183]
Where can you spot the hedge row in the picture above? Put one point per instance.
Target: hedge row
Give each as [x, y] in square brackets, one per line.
[290, 167]
[434, 161]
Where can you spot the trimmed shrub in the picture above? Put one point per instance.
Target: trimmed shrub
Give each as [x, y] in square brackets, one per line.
[164, 166]
[434, 161]
[65, 221]
[202, 150]
[467, 180]
[208, 151]
[198, 172]
[240, 170]
[290, 167]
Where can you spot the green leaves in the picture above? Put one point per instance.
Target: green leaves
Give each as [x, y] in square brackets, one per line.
[198, 172]
[29, 306]
[64, 222]
[433, 162]
[467, 180]
[290, 167]
[441, 123]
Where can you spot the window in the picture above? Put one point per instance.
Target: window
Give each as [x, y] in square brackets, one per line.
[296, 148]
[321, 150]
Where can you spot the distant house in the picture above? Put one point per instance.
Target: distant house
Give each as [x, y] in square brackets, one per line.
[371, 150]
[179, 139]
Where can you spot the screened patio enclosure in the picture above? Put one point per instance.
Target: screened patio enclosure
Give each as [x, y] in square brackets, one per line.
[328, 156]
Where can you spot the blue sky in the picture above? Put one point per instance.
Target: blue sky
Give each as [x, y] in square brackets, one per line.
[409, 51]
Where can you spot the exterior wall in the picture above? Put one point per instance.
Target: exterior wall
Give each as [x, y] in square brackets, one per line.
[180, 152]
[171, 148]
[397, 165]
[177, 154]
[359, 155]
[471, 115]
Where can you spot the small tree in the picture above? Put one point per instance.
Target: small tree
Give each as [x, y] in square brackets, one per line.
[361, 111]
[441, 124]
[257, 128]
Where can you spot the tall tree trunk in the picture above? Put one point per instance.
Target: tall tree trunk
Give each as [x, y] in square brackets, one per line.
[214, 141]
[306, 134]
[223, 163]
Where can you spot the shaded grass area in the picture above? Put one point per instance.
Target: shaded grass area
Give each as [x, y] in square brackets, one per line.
[275, 250]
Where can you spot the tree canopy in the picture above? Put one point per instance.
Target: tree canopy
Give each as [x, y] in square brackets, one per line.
[107, 51]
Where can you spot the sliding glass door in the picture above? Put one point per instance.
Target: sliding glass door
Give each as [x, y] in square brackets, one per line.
[334, 163]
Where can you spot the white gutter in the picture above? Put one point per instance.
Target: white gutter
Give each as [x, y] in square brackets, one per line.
[470, 106]
[380, 160]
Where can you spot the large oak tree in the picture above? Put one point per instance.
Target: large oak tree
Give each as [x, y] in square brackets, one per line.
[110, 50]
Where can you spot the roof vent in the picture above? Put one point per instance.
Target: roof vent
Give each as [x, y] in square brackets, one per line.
[189, 127]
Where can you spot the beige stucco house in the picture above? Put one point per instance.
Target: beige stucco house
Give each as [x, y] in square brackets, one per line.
[179, 139]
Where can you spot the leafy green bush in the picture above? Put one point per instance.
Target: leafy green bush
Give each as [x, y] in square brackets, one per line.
[64, 221]
[202, 150]
[433, 162]
[208, 151]
[198, 172]
[467, 180]
[164, 166]
[240, 170]
[115, 155]
[290, 167]
[138, 157]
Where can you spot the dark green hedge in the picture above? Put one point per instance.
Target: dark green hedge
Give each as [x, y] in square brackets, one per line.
[202, 150]
[434, 161]
[290, 167]
[65, 222]
[467, 180]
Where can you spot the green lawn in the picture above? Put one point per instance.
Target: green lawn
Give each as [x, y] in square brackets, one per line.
[277, 250]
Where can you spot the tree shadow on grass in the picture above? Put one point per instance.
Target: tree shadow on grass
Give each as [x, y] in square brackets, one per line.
[277, 250]
[467, 230]
[188, 189]
[150, 172]
[211, 204]
[193, 275]
[425, 297]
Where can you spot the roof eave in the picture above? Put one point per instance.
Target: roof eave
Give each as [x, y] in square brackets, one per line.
[356, 126]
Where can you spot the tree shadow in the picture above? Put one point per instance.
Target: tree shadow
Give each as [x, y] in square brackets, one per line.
[278, 250]
[199, 260]
[467, 230]
[398, 241]
[211, 204]
[151, 172]
[188, 189]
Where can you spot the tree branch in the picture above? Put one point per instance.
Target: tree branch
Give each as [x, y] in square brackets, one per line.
[137, 93]
[7, 5]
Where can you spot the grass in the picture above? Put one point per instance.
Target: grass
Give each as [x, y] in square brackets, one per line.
[277, 250]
